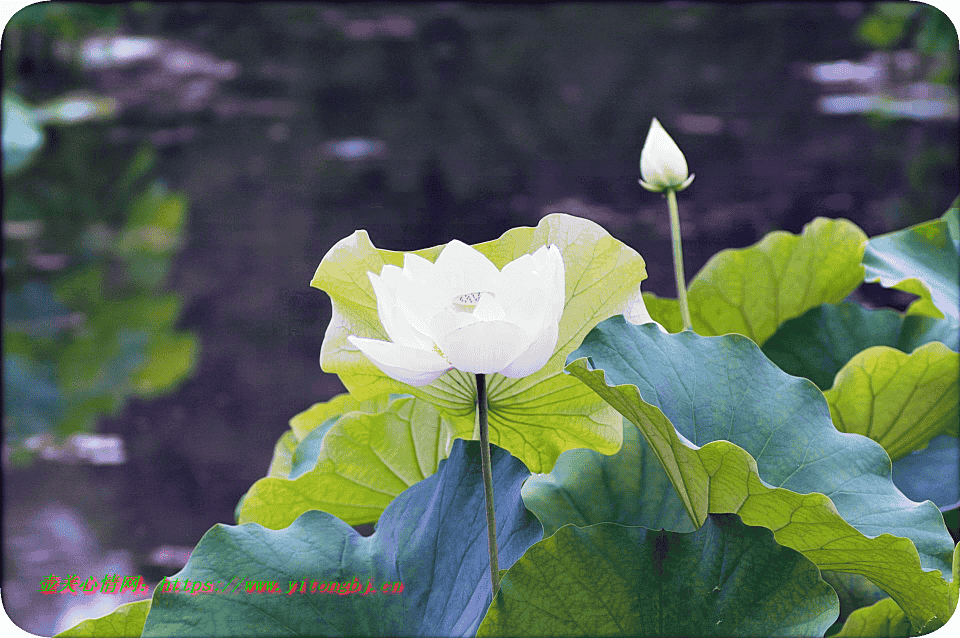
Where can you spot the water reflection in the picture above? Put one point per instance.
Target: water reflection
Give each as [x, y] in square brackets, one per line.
[888, 83]
[55, 539]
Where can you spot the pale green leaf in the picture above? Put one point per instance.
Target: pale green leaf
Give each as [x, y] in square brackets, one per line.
[317, 414]
[126, 621]
[883, 619]
[751, 291]
[899, 400]
[365, 461]
[664, 311]
[282, 459]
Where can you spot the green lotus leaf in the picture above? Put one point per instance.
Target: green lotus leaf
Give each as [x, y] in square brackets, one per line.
[736, 434]
[664, 311]
[725, 579]
[821, 341]
[307, 453]
[126, 621]
[922, 260]
[364, 462]
[586, 488]
[430, 541]
[952, 219]
[854, 592]
[899, 400]
[602, 275]
[298, 449]
[883, 619]
[931, 473]
[319, 413]
[751, 291]
[282, 460]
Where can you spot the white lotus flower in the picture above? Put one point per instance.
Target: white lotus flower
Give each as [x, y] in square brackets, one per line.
[462, 312]
[662, 164]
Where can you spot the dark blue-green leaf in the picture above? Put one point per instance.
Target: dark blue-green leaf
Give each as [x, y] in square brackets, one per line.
[818, 343]
[586, 488]
[432, 538]
[931, 473]
[725, 579]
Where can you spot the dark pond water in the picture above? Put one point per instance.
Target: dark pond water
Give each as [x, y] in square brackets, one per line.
[290, 126]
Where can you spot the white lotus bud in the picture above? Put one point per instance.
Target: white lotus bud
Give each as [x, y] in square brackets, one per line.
[662, 164]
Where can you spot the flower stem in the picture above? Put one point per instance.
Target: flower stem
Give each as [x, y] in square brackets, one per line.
[487, 473]
[678, 258]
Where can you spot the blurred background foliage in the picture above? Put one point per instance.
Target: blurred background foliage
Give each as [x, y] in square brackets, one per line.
[88, 236]
[287, 126]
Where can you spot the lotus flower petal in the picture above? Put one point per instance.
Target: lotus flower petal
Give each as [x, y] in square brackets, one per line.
[483, 347]
[467, 269]
[395, 321]
[536, 355]
[403, 363]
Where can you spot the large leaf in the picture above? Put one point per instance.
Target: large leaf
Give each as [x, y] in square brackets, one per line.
[631, 488]
[126, 621]
[602, 278]
[297, 451]
[736, 434]
[364, 461]
[319, 413]
[751, 291]
[431, 538]
[883, 619]
[952, 219]
[899, 400]
[282, 461]
[664, 311]
[312, 431]
[725, 579]
[923, 260]
[586, 488]
[819, 343]
[931, 473]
